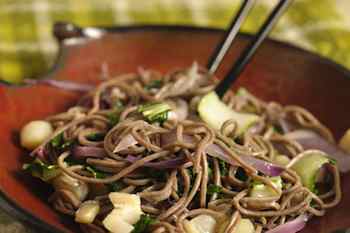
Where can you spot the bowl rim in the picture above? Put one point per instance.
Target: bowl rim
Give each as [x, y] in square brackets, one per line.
[59, 60]
[13, 209]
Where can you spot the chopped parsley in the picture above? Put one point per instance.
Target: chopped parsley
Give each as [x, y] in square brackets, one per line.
[42, 170]
[58, 142]
[241, 174]
[223, 167]
[113, 118]
[212, 188]
[116, 186]
[143, 224]
[95, 173]
[154, 112]
[118, 105]
[153, 84]
[95, 137]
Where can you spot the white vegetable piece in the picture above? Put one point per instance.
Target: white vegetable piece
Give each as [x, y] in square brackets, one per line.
[189, 227]
[121, 200]
[128, 214]
[201, 224]
[260, 190]
[87, 212]
[126, 206]
[116, 225]
[244, 226]
[78, 187]
[344, 142]
[34, 133]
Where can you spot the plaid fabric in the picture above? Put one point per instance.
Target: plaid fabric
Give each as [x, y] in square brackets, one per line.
[27, 48]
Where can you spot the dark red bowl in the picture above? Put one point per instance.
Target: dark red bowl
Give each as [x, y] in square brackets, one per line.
[278, 72]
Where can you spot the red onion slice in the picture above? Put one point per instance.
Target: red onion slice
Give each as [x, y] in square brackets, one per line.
[62, 84]
[265, 167]
[166, 164]
[311, 140]
[216, 151]
[286, 125]
[292, 226]
[81, 152]
[169, 138]
[124, 143]
[40, 152]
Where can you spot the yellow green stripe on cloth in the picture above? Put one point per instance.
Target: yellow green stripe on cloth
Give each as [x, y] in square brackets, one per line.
[27, 48]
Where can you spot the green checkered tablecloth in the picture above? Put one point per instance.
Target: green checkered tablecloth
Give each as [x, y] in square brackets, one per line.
[27, 48]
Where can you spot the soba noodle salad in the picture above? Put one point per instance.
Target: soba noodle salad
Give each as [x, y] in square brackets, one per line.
[147, 152]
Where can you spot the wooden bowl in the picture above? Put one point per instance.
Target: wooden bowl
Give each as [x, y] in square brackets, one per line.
[278, 72]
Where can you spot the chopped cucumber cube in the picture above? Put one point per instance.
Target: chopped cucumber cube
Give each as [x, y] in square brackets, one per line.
[259, 189]
[281, 160]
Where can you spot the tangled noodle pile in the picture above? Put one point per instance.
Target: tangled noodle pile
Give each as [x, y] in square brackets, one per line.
[179, 165]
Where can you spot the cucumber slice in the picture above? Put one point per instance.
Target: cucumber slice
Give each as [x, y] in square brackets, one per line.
[214, 112]
[201, 224]
[309, 166]
[281, 160]
[259, 189]
[244, 226]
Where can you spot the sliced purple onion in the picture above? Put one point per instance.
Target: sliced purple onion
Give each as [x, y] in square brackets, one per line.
[40, 153]
[166, 164]
[311, 140]
[217, 151]
[124, 143]
[180, 111]
[169, 138]
[81, 152]
[292, 226]
[65, 85]
[265, 167]
[286, 125]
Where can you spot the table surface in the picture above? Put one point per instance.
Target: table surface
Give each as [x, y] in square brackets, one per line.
[28, 49]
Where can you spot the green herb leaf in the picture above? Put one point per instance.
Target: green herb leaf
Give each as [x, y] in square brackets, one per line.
[159, 175]
[96, 173]
[70, 160]
[58, 142]
[212, 188]
[116, 186]
[42, 170]
[118, 105]
[153, 84]
[113, 118]
[95, 137]
[332, 161]
[191, 174]
[155, 112]
[210, 172]
[223, 167]
[143, 224]
[278, 129]
[241, 174]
